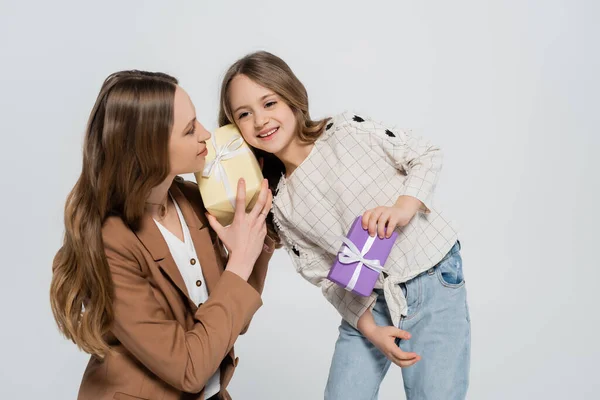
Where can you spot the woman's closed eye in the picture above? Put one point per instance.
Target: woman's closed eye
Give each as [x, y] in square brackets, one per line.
[270, 104]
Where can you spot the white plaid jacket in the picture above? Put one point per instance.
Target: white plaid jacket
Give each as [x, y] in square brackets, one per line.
[358, 164]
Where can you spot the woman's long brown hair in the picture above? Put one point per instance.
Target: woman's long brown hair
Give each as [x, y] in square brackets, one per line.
[125, 155]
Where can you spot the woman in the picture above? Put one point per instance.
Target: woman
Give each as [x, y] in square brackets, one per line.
[142, 282]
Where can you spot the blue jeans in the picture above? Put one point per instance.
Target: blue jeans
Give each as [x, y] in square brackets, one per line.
[439, 323]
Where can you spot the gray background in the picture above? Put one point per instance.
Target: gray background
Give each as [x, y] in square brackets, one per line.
[509, 89]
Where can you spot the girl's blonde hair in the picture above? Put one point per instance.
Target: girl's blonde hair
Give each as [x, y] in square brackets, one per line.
[273, 73]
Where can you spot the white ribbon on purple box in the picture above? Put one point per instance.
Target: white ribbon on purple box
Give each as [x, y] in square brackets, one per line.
[222, 153]
[351, 254]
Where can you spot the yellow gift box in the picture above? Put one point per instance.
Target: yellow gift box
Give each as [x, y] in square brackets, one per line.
[229, 158]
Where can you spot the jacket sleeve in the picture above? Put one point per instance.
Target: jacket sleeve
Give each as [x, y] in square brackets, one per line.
[411, 154]
[261, 266]
[183, 359]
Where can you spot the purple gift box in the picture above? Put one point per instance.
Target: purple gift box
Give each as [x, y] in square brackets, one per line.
[362, 280]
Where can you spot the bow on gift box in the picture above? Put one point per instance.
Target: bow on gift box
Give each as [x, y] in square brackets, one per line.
[222, 153]
[351, 254]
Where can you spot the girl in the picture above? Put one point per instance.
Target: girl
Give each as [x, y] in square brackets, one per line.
[326, 172]
[141, 282]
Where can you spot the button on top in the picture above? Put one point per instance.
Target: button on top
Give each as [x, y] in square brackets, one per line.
[198, 283]
[193, 261]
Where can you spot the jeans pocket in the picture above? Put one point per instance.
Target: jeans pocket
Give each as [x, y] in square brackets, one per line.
[450, 271]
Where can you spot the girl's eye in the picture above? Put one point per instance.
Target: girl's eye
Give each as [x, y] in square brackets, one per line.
[270, 104]
[192, 131]
[242, 115]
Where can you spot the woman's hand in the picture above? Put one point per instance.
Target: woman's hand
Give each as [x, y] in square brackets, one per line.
[245, 237]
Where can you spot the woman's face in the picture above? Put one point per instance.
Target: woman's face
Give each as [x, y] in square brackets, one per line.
[264, 119]
[187, 143]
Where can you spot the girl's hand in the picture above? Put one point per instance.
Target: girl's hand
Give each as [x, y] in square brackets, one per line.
[384, 338]
[383, 220]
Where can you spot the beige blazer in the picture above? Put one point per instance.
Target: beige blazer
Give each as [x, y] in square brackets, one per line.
[165, 347]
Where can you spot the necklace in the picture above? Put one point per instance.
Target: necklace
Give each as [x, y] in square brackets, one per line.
[162, 206]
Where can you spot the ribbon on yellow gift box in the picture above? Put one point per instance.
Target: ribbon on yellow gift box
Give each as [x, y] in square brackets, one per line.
[229, 158]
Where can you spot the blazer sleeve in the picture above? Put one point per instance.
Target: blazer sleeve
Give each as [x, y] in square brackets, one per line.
[183, 359]
[257, 278]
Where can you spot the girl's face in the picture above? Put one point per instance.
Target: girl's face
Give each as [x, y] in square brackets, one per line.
[187, 142]
[264, 119]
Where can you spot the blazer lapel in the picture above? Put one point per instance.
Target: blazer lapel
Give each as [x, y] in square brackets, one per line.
[199, 230]
[153, 240]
